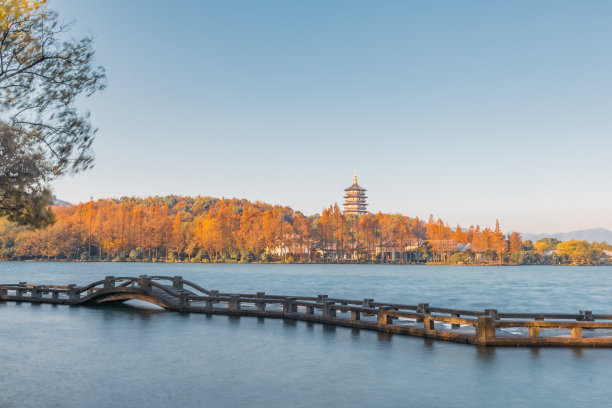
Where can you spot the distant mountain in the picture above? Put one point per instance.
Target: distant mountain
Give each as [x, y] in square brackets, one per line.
[590, 235]
[57, 201]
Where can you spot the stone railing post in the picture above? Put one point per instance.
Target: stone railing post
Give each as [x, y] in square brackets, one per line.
[145, 283]
[177, 282]
[321, 298]
[328, 308]
[485, 329]
[586, 315]
[422, 308]
[73, 292]
[289, 305]
[383, 318]
[19, 292]
[368, 303]
[493, 313]
[234, 303]
[109, 282]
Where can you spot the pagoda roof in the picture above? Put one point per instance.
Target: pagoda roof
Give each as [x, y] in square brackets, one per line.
[355, 186]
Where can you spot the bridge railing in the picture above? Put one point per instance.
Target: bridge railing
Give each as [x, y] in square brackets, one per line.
[488, 327]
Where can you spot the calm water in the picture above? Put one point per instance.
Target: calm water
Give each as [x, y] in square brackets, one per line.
[135, 355]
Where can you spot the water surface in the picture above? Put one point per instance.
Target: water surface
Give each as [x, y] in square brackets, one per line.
[137, 355]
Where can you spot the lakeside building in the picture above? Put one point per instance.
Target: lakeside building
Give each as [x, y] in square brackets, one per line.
[355, 199]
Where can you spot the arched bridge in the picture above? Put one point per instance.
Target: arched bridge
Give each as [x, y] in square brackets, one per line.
[484, 328]
[168, 292]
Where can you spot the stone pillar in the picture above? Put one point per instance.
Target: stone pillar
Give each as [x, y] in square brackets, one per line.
[210, 302]
[383, 318]
[310, 309]
[485, 329]
[428, 324]
[37, 292]
[455, 325]
[576, 332]
[109, 282]
[261, 306]
[289, 305]
[234, 304]
[3, 292]
[177, 282]
[55, 295]
[328, 309]
[493, 313]
[534, 331]
[355, 315]
[586, 315]
[183, 302]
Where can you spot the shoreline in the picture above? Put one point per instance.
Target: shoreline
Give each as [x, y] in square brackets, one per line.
[292, 263]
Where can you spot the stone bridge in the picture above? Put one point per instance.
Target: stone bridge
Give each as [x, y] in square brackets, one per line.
[483, 328]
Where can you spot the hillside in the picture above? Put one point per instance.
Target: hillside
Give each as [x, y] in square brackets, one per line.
[590, 235]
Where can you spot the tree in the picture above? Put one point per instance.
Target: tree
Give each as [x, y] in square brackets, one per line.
[516, 242]
[42, 134]
[499, 243]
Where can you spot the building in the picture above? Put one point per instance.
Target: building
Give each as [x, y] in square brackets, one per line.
[355, 199]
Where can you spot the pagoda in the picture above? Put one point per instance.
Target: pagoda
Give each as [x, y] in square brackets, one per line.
[355, 199]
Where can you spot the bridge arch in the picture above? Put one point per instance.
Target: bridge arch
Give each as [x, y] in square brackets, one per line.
[124, 296]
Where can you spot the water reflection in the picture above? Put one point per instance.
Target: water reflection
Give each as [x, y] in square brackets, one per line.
[384, 337]
[486, 354]
[329, 329]
[290, 323]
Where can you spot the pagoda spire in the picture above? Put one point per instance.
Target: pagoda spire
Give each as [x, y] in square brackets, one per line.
[355, 178]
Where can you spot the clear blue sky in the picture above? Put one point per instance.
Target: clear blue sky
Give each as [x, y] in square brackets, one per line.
[469, 110]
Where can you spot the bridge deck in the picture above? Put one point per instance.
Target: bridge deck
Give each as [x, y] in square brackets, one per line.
[483, 328]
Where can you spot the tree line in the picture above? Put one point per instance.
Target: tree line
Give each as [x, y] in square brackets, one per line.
[207, 229]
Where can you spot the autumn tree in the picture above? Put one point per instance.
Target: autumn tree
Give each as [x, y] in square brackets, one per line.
[498, 243]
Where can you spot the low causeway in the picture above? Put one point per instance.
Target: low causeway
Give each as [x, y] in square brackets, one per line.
[482, 328]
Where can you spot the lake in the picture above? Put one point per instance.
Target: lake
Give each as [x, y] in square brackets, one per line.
[135, 354]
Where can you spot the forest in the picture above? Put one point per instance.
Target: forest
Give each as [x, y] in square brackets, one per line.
[207, 229]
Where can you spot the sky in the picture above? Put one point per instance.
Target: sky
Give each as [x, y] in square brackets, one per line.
[472, 111]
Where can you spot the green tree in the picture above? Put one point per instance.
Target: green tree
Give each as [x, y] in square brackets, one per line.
[42, 134]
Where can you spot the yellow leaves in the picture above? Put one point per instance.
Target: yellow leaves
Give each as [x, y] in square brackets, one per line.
[17, 10]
